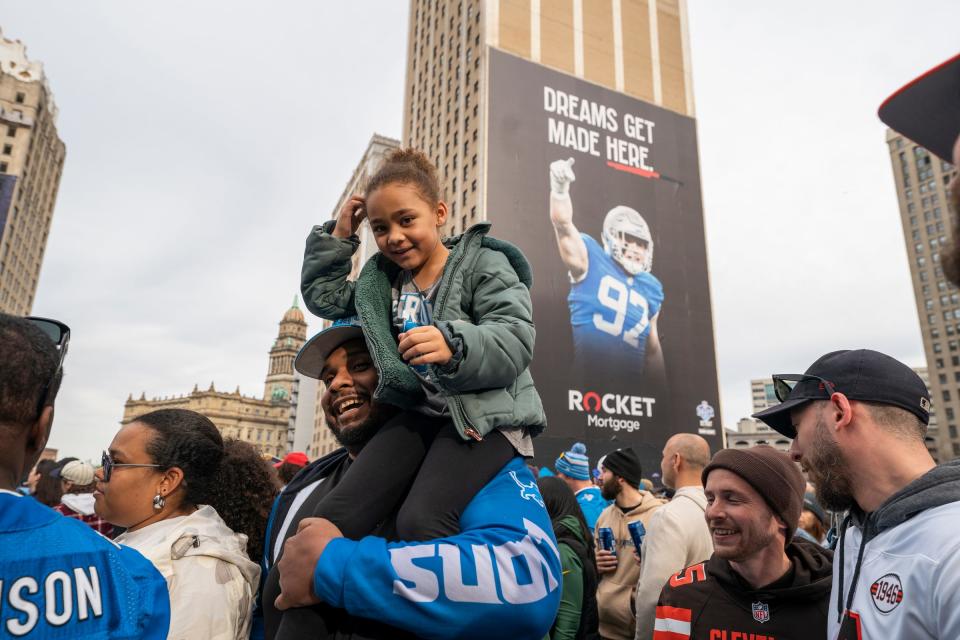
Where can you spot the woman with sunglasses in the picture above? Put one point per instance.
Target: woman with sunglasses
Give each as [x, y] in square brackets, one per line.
[196, 506]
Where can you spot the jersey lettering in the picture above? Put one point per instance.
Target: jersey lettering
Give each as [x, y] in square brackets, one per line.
[696, 573]
[726, 634]
[64, 597]
[419, 583]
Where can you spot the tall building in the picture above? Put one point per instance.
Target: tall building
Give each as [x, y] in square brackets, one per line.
[636, 47]
[921, 180]
[264, 422]
[321, 440]
[752, 432]
[31, 163]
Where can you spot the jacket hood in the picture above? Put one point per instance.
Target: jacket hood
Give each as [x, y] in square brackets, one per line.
[937, 487]
[202, 533]
[513, 254]
[570, 523]
[81, 503]
[812, 575]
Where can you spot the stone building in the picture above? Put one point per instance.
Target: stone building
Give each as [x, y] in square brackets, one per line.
[264, 422]
[31, 163]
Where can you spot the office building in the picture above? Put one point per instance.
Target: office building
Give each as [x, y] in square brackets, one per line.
[921, 180]
[31, 163]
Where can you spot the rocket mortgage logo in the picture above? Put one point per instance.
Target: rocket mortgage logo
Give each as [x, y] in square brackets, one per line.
[611, 410]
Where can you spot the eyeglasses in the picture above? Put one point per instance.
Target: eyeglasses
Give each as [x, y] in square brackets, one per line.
[782, 386]
[108, 465]
[60, 334]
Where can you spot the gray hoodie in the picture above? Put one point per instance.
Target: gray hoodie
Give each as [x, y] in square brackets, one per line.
[898, 568]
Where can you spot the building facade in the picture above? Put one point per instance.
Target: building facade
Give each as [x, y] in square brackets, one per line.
[31, 164]
[264, 422]
[637, 47]
[921, 180]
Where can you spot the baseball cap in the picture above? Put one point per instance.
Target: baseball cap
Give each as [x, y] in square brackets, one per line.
[927, 109]
[314, 353]
[863, 374]
[76, 471]
[298, 458]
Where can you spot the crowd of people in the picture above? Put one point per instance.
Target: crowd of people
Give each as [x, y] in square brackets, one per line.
[429, 522]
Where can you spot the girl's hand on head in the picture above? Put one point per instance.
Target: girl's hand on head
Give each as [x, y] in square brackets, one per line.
[424, 345]
[351, 215]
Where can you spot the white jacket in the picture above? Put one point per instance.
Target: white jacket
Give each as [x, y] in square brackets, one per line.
[908, 584]
[212, 582]
[677, 537]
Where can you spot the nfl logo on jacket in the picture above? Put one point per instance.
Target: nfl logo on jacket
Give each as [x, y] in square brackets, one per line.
[761, 612]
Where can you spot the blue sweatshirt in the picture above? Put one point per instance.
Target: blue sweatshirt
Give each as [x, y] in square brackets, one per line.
[499, 577]
[61, 579]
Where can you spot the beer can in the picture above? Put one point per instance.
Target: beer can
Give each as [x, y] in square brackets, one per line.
[419, 368]
[606, 539]
[637, 532]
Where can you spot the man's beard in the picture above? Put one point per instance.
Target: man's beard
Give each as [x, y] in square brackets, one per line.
[354, 438]
[828, 470]
[610, 489]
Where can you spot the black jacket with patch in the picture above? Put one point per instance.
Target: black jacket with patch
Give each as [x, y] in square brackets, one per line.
[709, 601]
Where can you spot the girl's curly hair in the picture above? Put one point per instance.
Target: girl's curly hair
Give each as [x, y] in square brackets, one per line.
[228, 475]
[408, 166]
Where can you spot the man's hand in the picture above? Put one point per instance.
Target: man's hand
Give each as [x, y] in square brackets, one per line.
[636, 556]
[351, 215]
[561, 175]
[606, 561]
[424, 345]
[301, 553]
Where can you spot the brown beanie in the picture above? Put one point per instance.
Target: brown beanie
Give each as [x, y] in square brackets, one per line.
[772, 473]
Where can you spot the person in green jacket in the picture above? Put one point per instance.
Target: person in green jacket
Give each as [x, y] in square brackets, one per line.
[577, 618]
[449, 327]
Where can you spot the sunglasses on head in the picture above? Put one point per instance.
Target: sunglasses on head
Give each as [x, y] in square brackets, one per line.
[783, 384]
[108, 465]
[59, 333]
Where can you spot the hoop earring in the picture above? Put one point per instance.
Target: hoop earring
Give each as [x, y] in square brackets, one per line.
[158, 502]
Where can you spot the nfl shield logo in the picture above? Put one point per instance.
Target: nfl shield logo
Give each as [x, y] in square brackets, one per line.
[761, 612]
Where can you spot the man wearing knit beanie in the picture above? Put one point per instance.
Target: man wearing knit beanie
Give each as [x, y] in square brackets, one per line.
[619, 572]
[759, 581]
[573, 467]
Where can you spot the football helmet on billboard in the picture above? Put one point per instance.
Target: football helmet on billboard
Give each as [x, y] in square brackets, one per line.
[623, 225]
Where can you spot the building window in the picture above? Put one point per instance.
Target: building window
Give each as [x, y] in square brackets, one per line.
[7, 149]
[946, 395]
[949, 413]
[3, 167]
[943, 377]
[11, 131]
[953, 431]
[21, 97]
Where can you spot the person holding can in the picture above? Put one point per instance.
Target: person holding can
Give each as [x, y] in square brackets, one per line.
[618, 570]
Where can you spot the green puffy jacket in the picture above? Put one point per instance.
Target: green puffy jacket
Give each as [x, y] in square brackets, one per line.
[482, 307]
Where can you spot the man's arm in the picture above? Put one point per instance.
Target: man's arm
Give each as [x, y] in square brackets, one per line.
[654, 355]
[573, 251]
[502, 572]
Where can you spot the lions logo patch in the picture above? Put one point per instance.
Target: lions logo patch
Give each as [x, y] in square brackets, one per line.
[761, 612]
[528, 491]
[887, 592]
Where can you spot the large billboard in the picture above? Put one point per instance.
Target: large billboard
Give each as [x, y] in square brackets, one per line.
[601, 191]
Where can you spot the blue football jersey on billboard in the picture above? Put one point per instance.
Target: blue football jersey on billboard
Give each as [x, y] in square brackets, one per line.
[610, 313]
[500, 577]
[61, 579]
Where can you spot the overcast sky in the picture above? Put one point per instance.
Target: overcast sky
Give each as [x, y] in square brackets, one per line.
[204, 139]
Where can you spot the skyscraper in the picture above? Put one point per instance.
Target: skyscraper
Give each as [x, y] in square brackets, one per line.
[921, 180]
[31, 163]
[637, 47]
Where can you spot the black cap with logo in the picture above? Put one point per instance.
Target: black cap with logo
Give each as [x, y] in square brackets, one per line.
[864, 374]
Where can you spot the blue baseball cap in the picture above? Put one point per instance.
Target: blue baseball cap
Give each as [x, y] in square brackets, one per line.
[314, 353]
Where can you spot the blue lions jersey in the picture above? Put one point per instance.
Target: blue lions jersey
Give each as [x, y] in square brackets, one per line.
[61, 579]
[610, 312]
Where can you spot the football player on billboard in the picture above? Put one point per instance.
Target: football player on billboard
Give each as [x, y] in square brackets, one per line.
[614, 298]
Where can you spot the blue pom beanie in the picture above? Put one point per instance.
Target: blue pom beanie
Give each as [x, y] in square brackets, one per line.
[574, 463]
